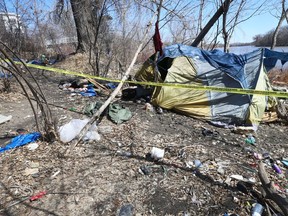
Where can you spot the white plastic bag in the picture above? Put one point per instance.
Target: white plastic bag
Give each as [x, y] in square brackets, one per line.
[70, 130]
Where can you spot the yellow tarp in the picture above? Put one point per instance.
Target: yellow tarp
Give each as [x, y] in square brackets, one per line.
[191, 102]
[258, 103]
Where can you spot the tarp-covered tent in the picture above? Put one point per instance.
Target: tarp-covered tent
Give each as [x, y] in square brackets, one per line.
[271, 58]
[189, 65]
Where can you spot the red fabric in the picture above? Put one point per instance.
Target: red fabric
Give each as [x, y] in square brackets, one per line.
[157, 40]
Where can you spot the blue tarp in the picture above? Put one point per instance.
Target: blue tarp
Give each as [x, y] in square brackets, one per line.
[111, 85]
[37, 62]
[229, 63]
[271, 58]
[90, 91]
[5, 75]
[21, 140]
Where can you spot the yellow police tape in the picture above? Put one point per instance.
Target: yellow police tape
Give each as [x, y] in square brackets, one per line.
[174, 85]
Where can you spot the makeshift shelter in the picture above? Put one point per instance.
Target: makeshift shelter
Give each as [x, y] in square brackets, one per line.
[189, 65]
[273, 57]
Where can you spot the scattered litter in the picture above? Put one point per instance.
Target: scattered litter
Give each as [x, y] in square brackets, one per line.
[197, 164]
[157, 153]
[70, 130]
[111, 85]
[266, 155]
[55, 174]
[4, 119]
[285, 162]
[126, 210]
[250, 139]
[148, 107]
[242, 187]
[89, 92]
[5, 75]
[30, 171]
[275, 167]
[257, 156]
[241, 178]
[237, 177]
[32, 146]
[124, 153]
[62, 118]
[159, 110]
[244, 130]
[207, 132]
[222, 124]
[145, 170]
[37, 196]
[78, 86]
[21, 140]
[221, 170]
[257, 210]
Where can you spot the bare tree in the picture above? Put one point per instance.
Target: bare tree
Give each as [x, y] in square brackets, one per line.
[284, 15]
[211, 22]
[241, 11]
[87, 16]
[11, 25]
[200, 25]
[46, 125]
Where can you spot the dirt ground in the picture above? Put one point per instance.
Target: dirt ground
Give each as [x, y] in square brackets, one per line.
[98, 178]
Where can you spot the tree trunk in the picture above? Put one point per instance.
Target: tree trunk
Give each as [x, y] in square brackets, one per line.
[284, 15]
[200, 20]
[224, 29]
[85, 14]
[275, 34]
[211, 22]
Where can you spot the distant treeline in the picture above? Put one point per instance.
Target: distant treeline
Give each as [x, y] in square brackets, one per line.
[266, 39]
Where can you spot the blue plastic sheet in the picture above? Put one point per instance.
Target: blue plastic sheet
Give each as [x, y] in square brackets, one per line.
[112, 85]
[90, 92]
[272, 56]
[21, 140]
[231, 64]
[5, 75]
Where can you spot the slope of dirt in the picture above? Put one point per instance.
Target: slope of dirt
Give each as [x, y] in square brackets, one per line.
[98, 178]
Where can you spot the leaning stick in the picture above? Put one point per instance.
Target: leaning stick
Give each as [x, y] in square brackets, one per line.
[271, 193]
[115, 92]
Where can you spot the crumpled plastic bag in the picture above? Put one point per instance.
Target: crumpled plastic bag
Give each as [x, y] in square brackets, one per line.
[70, 130]
[4, 119]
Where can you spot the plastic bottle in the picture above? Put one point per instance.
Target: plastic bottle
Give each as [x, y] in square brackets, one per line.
[275, 167]
[257, 210]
